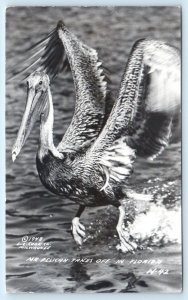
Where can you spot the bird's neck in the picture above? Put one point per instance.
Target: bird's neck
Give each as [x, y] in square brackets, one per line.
[46, 129]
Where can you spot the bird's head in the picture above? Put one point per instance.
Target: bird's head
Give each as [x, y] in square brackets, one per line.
[37, 89]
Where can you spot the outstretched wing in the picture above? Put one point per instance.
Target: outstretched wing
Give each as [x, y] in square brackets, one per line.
[144, 114]
[60, 50]
[158, 121]
[90, 88]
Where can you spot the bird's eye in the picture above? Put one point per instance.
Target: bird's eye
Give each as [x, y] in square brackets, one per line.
[40, 82]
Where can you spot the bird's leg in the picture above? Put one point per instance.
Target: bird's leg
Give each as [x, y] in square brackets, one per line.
[125, 244]
[78, 230]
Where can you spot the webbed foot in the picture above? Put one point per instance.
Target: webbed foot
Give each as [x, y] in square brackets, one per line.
[78, 231]
[125, 244]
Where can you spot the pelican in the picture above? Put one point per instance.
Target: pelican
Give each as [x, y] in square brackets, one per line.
[96, 155]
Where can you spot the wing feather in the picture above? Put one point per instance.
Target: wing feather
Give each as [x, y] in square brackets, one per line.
[145, 113]
[90, 87]
[159, 119]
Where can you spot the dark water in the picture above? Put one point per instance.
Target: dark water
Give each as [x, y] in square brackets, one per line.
[33, 212]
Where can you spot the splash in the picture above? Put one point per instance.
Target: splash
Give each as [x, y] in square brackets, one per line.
[158, 226]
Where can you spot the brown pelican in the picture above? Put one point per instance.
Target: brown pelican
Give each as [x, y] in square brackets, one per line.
[96, 155]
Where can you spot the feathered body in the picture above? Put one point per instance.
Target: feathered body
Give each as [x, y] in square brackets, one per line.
[62, 179]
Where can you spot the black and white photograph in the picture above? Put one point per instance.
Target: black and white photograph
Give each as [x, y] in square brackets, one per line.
[93, 149]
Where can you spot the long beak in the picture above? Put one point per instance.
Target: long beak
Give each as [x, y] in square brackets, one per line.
[33, 110]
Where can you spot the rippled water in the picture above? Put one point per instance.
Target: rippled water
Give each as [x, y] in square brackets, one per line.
[33, 212]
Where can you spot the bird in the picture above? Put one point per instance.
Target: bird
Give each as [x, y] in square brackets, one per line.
[95, 158]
